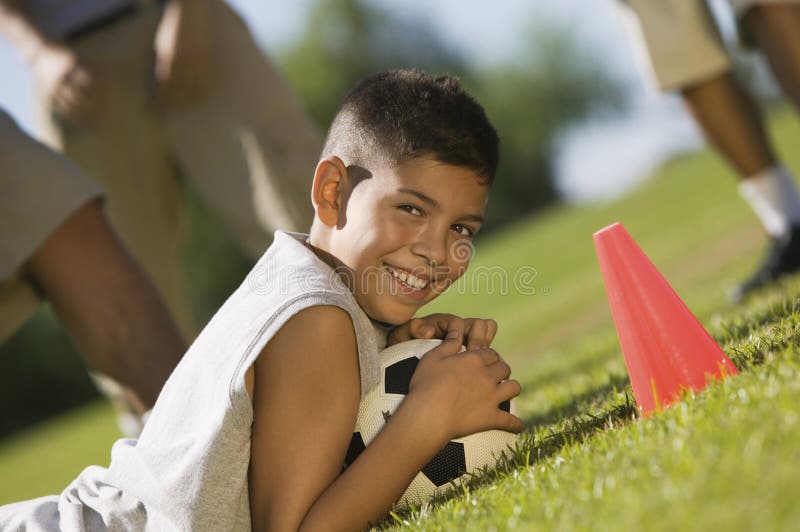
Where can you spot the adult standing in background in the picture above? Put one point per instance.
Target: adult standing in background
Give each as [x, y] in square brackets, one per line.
[56, 245]
[687, 54]
[150, 96]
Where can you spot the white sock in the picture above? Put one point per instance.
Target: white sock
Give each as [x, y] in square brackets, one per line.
[773, 196]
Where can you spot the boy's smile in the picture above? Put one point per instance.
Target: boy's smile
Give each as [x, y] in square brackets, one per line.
[404, 234]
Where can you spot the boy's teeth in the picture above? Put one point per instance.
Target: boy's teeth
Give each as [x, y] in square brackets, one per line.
[408, 278]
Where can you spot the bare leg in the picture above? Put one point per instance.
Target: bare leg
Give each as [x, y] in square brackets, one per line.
[776, 30]
[731, 123]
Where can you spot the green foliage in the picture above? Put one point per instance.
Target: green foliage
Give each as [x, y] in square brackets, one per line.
[533, 101]
[346, 40]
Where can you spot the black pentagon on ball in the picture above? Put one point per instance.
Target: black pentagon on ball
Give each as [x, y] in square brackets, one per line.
[356, 448]
[398, 376]
[449, 464]
[505, 405]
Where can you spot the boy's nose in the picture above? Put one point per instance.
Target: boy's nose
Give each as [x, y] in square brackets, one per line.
[432, 244]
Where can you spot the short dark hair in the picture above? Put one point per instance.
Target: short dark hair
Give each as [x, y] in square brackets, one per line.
[403, 114]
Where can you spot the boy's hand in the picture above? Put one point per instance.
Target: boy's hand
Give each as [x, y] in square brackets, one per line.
[462, 390]
[477, 332]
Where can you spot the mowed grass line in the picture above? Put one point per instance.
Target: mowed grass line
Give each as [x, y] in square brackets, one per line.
[576, 395]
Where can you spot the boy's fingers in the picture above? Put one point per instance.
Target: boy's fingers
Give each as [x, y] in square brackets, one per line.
[421, 329]
[476, 334]
[508, 422]
[491, 331]
[499, 371]
[401, 333]
[415, 328]
[508, 389]
[450, 345]
[488, 356]
[441, 320]
[455, 330]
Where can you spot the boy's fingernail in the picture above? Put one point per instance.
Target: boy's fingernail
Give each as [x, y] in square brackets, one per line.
[451, 335]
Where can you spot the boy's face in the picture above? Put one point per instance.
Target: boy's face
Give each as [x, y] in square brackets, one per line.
[405, 235]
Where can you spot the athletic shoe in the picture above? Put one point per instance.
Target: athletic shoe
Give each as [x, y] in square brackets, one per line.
[782, 258]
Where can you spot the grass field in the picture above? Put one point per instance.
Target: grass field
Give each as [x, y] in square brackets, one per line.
[726, 458]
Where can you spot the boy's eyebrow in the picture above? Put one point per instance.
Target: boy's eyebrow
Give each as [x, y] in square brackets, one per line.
[472, 217]
[427, 199]
[433, 203]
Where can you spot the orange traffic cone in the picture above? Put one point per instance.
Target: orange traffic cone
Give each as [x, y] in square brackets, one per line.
[666, 349]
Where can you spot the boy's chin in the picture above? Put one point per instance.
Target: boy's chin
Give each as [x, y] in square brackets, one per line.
[391, 316]
[390, 319]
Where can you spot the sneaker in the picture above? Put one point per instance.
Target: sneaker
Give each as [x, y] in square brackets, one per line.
[783, 257]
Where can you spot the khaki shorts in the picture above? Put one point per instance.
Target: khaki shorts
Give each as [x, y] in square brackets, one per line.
[39, 189]
[682, 41]
[249, 150]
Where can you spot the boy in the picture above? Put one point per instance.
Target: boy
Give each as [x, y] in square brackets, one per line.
[252, 428]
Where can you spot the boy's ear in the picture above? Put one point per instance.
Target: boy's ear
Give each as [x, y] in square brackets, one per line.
[327, 191]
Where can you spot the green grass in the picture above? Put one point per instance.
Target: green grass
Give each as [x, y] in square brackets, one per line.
[724, 458]
[44, 459]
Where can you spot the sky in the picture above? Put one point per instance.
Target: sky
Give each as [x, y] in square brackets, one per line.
[595, 162]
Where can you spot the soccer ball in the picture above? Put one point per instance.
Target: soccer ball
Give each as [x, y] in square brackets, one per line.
[456, 461]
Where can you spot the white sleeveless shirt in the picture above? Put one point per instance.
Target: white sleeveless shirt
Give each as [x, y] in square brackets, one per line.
[188, 469]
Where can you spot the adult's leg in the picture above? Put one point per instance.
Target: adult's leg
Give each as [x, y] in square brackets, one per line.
[686, 53]
[731, 123]
[775, 28]
[124, 150]
[250, 149]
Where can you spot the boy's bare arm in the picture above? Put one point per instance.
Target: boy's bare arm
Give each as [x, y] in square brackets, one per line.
[107, 303]
[305, 404]
[306, 401]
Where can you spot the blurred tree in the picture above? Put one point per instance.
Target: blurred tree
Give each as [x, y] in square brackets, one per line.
[553, 85]
[346, 40]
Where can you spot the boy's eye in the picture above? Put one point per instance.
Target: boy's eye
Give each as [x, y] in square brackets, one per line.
[463, 230]
[416, 211]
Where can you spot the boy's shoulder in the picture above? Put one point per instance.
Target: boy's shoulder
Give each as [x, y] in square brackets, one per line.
[289, 268]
